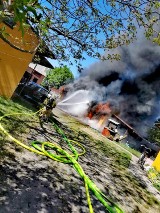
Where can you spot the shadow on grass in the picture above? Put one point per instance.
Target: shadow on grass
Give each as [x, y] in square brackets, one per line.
[26, 187]
[23, 102]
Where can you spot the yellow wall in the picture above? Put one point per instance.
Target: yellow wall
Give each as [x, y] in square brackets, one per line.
[13, 63]
[156, 162]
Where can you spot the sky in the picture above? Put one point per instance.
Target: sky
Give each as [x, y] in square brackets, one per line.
[89, 60]
[85, 64]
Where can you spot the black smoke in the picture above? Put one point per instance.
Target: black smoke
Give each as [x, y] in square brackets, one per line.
[131, 85]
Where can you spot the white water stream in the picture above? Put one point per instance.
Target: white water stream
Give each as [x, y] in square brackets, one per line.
[76, 104]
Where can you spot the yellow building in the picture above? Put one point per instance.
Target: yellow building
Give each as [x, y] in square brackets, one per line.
[156, 162]
[15, 55]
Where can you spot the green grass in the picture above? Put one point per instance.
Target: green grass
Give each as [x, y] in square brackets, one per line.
[110, 150]
[124, 183]
[113, 144]
[103, 145]
[154, 177]
[157, 186]
[17, 124]
[131, 150]
[17, 121]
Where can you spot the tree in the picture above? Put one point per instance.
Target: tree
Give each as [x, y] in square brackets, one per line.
[58, 77]
[154, 132]
[73, 28]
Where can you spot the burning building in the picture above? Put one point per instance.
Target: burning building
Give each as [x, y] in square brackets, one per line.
[99, 109]
[115, 128]
[130, 85]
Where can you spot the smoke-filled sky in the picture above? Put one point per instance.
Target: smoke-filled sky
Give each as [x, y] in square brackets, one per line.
[131, 85]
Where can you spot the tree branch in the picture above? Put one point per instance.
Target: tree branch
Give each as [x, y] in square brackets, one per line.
[63, 33]
[13, 46]
[66, 36]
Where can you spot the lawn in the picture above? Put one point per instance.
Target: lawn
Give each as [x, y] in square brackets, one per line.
[18, 123]
[104, 162]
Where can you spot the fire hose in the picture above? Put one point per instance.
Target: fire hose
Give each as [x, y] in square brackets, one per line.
[65, 157]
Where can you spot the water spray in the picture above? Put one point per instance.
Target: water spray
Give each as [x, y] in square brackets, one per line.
[83, 92]
[87, 102]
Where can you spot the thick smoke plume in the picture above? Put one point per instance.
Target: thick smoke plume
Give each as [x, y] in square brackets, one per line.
[131, 85]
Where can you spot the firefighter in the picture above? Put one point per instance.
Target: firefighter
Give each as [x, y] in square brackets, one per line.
[49, 104]
[145, 154]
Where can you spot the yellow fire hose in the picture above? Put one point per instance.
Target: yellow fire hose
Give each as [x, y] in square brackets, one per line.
[65, 157]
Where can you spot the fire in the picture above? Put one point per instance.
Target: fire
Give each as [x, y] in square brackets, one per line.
[99, 113]
[90, 115]
[99, 110]
[103, 108]
[102, 120]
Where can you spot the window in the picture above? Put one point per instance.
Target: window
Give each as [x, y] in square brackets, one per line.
[35, 80]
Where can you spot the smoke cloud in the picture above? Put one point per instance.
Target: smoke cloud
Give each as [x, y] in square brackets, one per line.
[131, 85]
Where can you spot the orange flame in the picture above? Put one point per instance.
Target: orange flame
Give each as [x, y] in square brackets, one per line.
[90, 115]
[103, 108]
[99, 109]
[102, 120]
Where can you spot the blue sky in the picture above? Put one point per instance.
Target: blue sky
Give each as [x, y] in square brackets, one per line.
[85, 64]
[89, 60]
